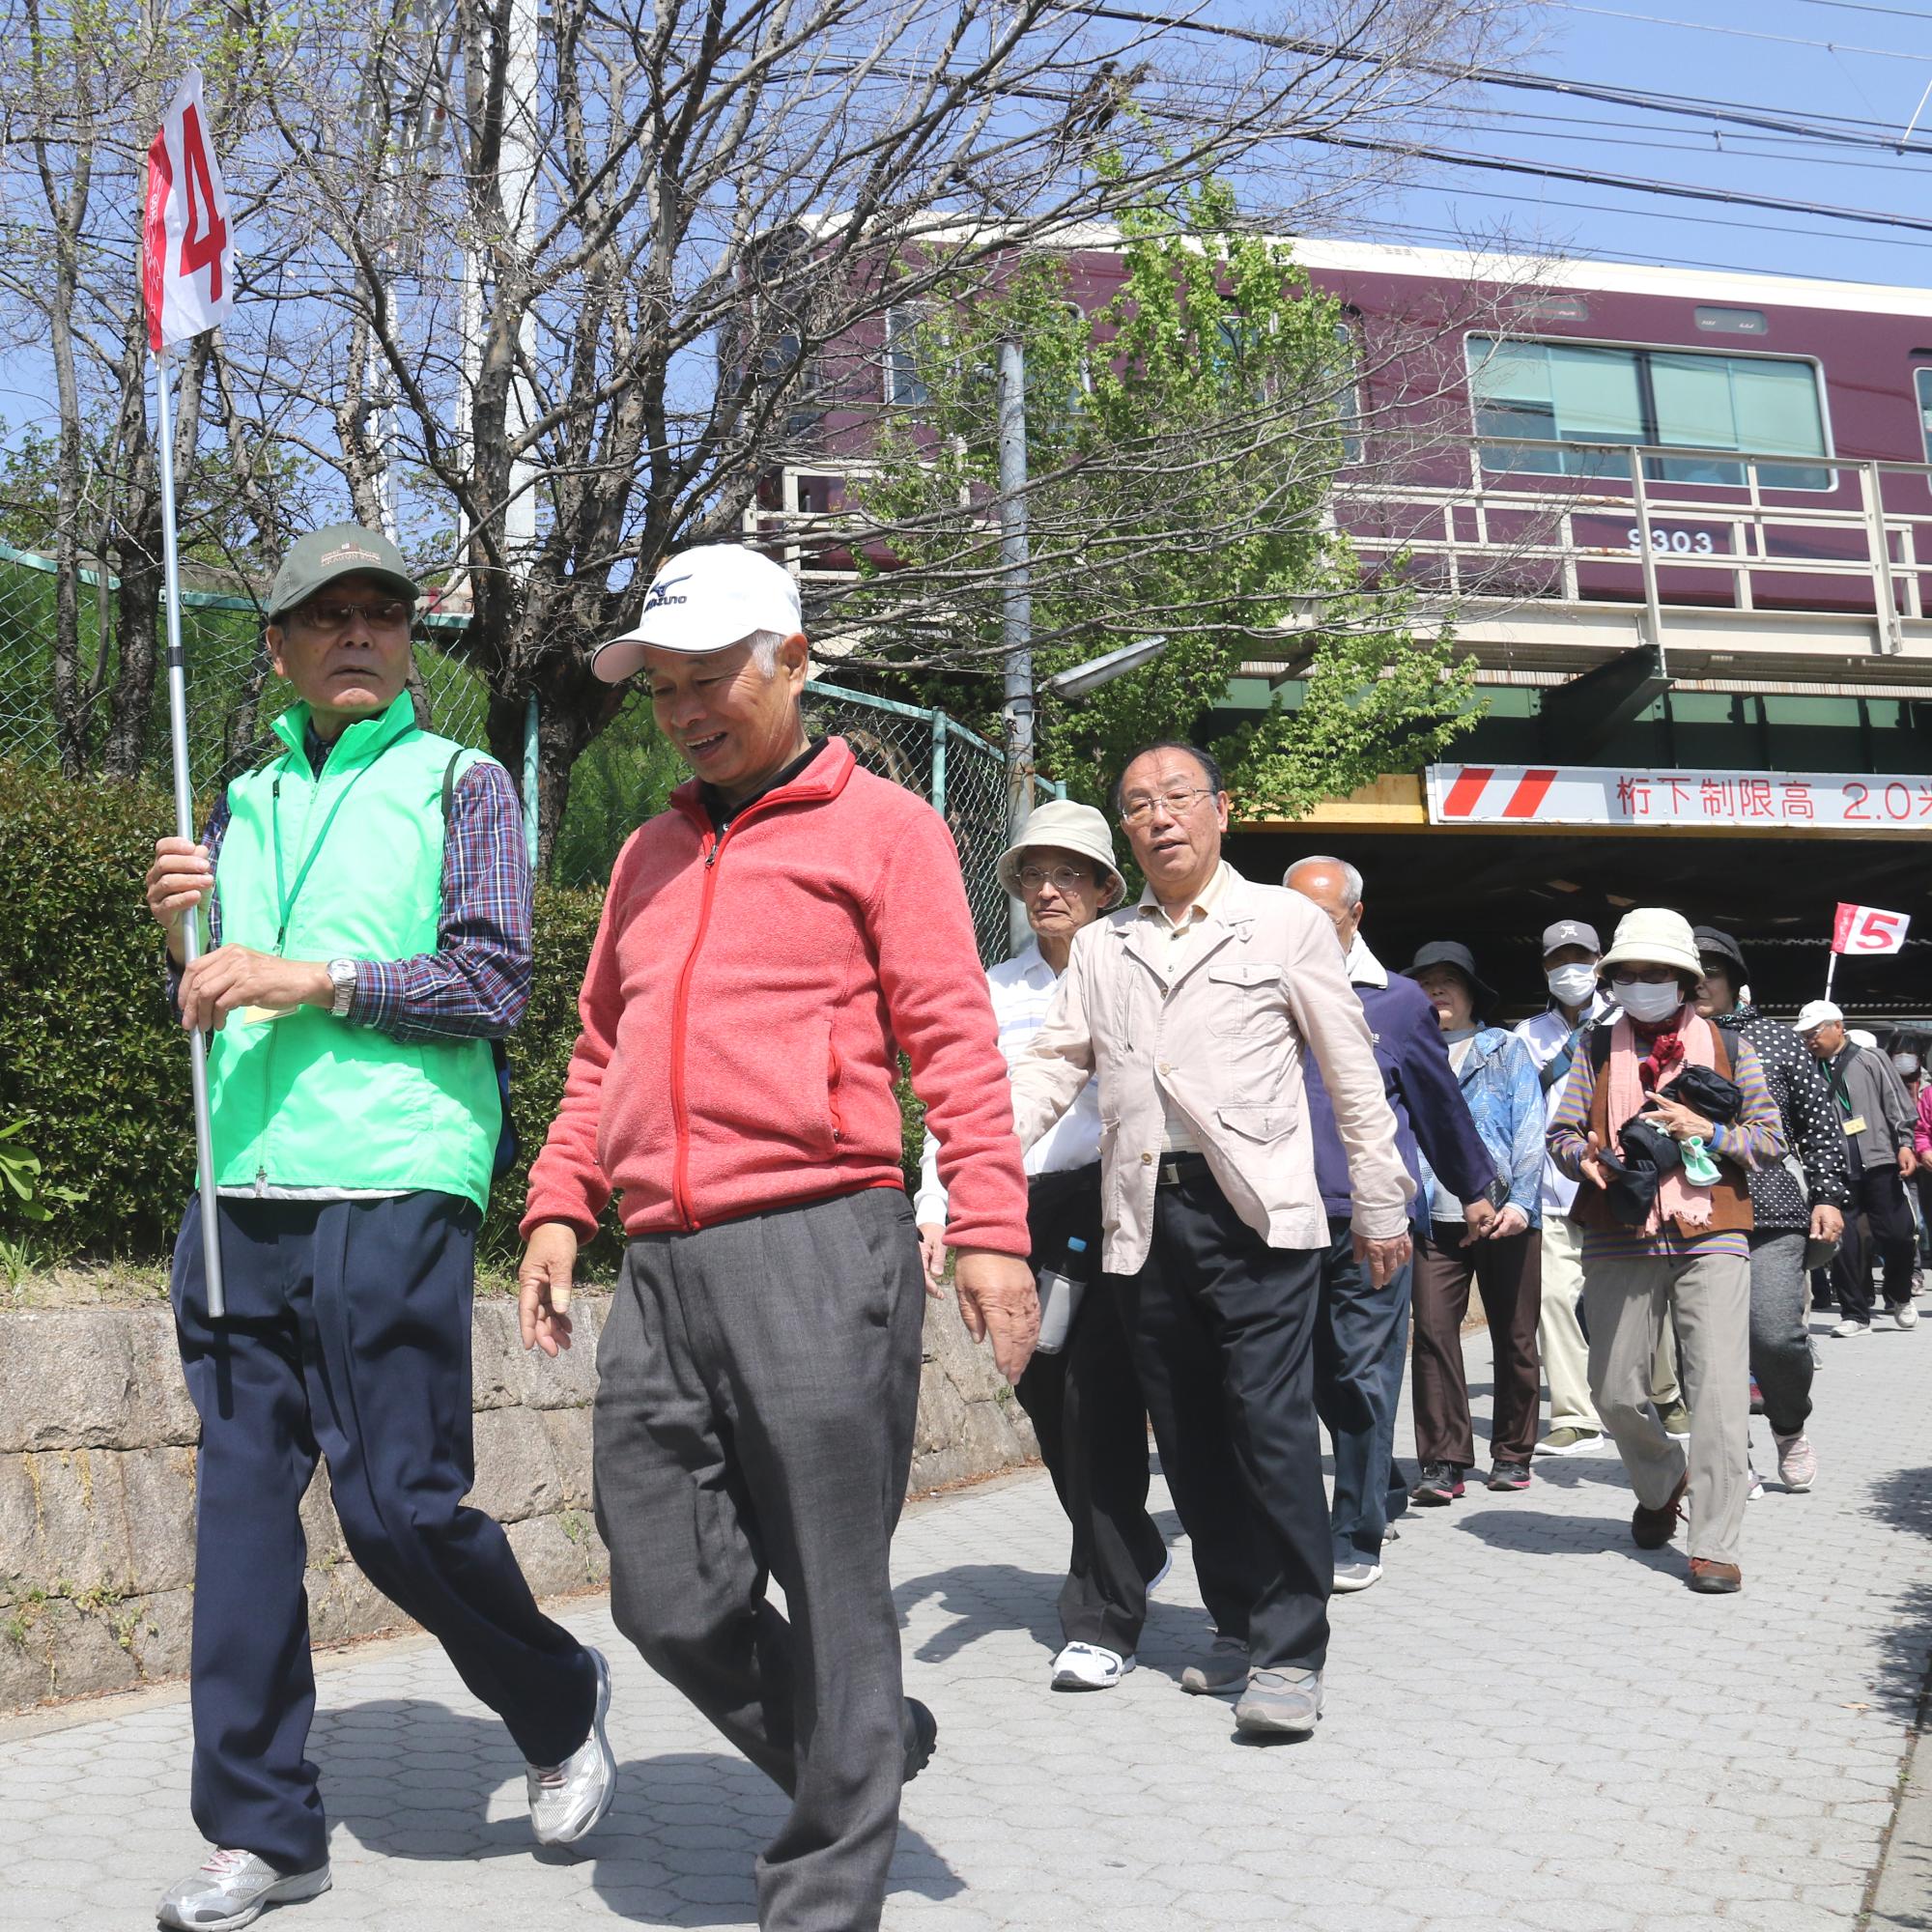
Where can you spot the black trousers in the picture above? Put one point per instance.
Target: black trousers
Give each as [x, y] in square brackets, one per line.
[1087, 1409]
[347, 1336]
[1878, 1193]
[1223, 1332]
[756, 1399]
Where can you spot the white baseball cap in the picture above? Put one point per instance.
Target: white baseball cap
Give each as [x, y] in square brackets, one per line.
[1815, 1014]
[704, 600]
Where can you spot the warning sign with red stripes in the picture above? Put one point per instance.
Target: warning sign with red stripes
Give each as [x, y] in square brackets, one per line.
[1532, 795]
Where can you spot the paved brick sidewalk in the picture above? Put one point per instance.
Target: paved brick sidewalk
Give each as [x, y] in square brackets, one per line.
[1531, 1725]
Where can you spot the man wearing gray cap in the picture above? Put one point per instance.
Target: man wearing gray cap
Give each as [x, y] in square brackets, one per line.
[769, 942]
[351, 1006]
[1577, 1006]
[1080, 1389]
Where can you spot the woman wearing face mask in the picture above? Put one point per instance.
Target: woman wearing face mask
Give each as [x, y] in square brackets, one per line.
[1685, 1257]
[1570, 952]
[1499, 1087]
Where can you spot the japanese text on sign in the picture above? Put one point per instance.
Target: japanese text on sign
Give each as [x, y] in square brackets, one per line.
[1614, 795]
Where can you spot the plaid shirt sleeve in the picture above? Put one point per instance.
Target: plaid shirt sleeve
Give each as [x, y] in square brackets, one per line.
[477, 982]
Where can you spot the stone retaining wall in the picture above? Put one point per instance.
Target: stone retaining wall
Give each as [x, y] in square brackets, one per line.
[98, 1466]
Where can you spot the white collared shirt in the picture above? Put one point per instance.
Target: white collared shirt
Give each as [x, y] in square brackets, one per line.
[1022, 990]
[1183, 936]
[1544, 1036]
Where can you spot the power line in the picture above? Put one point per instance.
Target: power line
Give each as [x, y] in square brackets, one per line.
[1863, 7]
[1737, 33]
[1848, 131]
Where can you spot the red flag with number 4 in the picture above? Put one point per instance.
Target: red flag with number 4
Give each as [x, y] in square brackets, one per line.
[188, 260]
[1866, 930]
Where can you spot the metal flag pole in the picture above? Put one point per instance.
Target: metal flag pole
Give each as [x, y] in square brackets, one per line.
[191, 925]
[1830, 969]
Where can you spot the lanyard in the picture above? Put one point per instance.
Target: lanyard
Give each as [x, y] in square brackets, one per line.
[287, 894]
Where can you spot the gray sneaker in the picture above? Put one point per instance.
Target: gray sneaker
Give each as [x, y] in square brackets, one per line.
[1357, 1574]
[235, 1889]
[1222, 1673]
[567, 1798]
[1280, 1703]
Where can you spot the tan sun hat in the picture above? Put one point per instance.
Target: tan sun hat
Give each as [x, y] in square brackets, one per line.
[1072, 827]
[1655, 936]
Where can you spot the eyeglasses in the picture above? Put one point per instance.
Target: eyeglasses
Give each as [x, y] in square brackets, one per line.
[1137, 809]
[332, 619]
[1063, 879]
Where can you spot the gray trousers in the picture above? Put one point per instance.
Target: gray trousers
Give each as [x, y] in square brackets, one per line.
[757, 1386]
[1627, 1303]
[1781, 1344]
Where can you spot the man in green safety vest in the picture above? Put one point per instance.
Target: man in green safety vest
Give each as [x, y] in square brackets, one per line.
[365, 905]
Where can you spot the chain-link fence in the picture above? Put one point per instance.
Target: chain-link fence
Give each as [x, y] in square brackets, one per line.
[232, 695]
[961, 775]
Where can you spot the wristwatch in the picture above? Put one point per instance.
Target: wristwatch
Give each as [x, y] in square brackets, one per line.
[342, 976]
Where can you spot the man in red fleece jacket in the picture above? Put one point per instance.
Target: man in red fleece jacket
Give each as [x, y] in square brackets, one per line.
[768, 943]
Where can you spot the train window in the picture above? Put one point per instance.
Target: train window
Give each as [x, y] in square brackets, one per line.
[1349, 393]
[1921, 378]
[904, 385]
[1574, 392]
[1732, 320]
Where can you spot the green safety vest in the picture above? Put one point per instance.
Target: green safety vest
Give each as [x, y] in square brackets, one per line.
[311, 1101]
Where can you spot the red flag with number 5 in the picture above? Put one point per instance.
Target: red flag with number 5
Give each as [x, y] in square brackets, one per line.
[1869, 929]
[187, 260]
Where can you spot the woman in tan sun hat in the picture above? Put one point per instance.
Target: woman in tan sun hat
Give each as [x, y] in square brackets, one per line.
[1082, 1397]
[1666, 1220]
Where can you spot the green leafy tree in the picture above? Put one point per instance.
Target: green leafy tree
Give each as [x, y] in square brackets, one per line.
[1182, 444]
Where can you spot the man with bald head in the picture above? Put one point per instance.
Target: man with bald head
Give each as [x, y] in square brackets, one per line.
[1361, 1336]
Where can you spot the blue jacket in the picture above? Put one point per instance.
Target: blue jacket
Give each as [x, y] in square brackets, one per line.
[1422, 1094]
[1505, 1099]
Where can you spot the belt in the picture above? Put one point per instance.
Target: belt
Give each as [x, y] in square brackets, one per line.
[1176, 1168]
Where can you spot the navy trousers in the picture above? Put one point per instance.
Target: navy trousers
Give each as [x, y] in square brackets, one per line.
[1361, 1343]
[348, 1336]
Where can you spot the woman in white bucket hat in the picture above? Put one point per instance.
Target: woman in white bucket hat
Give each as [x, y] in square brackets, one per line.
[1082, 1397]
[1668, 1241]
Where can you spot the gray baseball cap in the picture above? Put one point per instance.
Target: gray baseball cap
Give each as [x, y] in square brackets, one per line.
[1570, 932]
[343, 550]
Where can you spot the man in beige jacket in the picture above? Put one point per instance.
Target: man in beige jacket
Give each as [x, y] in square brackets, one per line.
[1193, 1009]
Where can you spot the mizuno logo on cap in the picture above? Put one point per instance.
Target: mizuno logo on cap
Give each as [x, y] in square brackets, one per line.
[659, 593]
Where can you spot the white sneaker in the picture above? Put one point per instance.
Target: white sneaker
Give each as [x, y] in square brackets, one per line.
[1905, 1314]
[567, 1798]
[1358, 1574]
[1088, 1666]
[234, 1889]
[1845, 1330]
[1756, 1490]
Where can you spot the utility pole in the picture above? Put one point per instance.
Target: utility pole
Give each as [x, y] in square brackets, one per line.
[1016, 600]
[517, 175]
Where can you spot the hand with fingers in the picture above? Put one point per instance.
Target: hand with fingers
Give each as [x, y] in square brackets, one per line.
[933, 1257]
[543, 1287]
[1590, 1166]
[180, 879]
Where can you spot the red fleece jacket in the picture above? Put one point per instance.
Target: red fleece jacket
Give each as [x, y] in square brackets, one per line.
[743, 1010]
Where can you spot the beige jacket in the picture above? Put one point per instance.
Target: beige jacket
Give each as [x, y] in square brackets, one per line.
[1224, 1041]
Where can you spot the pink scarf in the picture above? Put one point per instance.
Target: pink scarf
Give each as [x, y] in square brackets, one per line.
[1689, 1204]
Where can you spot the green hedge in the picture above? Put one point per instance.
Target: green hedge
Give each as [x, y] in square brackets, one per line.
[90, 1058]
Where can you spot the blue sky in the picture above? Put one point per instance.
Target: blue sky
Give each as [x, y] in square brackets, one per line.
[1809, 60]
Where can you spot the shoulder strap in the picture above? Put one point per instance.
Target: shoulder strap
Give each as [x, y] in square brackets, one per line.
[1600, 1047]
[449, 785]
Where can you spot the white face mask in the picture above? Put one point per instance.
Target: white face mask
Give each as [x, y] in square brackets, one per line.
[1573, 984]
[1645, 1003]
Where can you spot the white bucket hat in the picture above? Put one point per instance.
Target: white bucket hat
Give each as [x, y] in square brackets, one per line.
[1653, 936]
[1073, 828]
[704, 600]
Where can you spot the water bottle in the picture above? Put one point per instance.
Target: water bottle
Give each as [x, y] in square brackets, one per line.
[1059, 1291]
